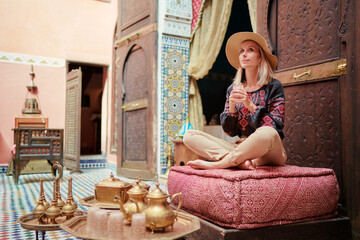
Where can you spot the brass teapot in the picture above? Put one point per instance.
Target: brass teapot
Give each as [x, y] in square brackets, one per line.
[158, 213]
[136, 202]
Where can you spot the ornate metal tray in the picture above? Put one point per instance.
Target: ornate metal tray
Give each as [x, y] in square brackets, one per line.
[185, 225]
[30, 222]
[91, 201]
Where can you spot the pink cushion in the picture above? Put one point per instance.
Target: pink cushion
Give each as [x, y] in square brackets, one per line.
[266, 196]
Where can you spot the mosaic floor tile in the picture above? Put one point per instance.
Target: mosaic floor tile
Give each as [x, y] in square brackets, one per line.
[18, 200]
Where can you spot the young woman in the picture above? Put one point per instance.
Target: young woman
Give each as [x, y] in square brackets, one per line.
[254, 111]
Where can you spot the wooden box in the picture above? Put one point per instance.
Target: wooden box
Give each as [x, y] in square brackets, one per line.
[183, 154]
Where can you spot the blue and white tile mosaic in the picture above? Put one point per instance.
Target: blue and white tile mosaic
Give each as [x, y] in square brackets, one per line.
[93, 161]
[174, 91]
[3, 169]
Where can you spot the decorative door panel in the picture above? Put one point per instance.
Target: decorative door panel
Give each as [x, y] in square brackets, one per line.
[304, 36]
[134, 108]
[307, 32]
[134, 136]
[312, 125]
[134, 15]
[136, 89]
[73, 120]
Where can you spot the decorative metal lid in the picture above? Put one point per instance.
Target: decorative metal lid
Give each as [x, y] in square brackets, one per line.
[113, 182]
[141, 184]
[157, 192]
[137, 189]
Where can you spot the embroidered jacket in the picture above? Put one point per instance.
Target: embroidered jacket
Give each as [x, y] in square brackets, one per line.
[270, 111]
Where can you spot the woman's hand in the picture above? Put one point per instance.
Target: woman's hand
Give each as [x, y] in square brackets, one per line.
[239, 95]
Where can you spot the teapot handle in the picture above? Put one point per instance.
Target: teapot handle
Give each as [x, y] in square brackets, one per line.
[136, 203]
[180, 202]
[121, 200]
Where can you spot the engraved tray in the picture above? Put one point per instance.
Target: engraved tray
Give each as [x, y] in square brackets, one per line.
[30, 222]
[91, 201]
[185, 225]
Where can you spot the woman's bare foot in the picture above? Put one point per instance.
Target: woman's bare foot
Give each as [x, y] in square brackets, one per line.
[202, 164]
[247, 165]
[225, 162]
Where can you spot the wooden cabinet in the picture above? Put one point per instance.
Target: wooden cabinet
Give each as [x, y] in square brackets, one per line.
[35, 165]
[35, 144]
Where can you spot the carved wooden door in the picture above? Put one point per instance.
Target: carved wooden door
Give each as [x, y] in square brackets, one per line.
[312, 66]
[136, 51]
[73, 120]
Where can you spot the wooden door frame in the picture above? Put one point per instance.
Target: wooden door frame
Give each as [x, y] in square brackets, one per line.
[349, 90]
[351, 111]
[150, 54]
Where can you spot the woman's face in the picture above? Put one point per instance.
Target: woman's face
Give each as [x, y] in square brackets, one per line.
[249, 56]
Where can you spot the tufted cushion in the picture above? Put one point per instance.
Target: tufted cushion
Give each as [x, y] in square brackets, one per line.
[266, 196]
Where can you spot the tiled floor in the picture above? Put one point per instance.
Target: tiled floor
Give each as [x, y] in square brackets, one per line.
[18, 200]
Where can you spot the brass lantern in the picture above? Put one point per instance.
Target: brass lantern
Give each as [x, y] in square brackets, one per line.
[31, 103]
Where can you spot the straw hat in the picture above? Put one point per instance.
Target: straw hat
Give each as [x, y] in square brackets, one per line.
[233, 48]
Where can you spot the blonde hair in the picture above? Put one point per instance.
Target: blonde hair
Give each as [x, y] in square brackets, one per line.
[265, 71]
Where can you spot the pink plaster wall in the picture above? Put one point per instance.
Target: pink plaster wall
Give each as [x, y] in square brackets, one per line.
[51, 96]
[80, 30]
[72, 30]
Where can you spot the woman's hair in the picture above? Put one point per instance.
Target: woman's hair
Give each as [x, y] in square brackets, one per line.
[265, 71]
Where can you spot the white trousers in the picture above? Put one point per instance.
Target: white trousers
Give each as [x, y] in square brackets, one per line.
[263, 147]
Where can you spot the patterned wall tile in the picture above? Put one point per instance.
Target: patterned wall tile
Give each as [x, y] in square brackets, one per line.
[174, 91]
[177, 27]
[179, 8]
[177, 18]
[29, 59]
[3, 169]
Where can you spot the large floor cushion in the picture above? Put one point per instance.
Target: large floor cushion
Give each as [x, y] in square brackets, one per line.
[266, 196]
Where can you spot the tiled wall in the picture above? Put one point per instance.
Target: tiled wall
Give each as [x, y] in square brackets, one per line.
[174, 57]
[174, 92]
[93, 161]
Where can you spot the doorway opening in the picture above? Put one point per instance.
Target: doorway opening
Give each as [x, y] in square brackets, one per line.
[93, 81]
[214, 85]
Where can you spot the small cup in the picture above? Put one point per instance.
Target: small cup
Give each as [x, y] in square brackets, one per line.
[90, 220]
[116, 225]
[138, 226]
[237, 87]
[101, 227]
